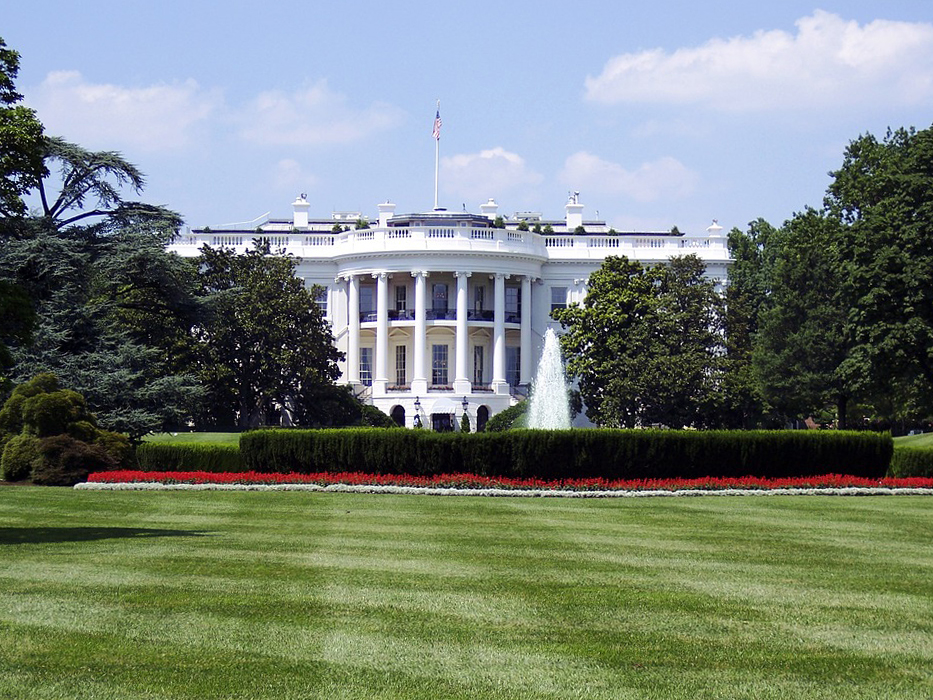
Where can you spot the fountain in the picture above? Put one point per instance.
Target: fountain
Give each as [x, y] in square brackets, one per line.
[549, 405]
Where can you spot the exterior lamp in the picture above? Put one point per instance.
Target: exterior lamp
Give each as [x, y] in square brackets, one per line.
[466, 404]
[417, 404]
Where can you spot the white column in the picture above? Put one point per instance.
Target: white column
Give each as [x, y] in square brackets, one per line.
[499, 384]
[526, 369]
[353, 331]
[382, 332]
[419, 380]
[462, 383]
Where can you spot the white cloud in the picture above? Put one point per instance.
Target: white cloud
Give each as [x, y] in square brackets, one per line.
[489, 173]
[313, 116]
[153, 118]
[828, 61]
[666, 177]
[289, 174]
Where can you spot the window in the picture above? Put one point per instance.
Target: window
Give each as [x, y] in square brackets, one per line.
[439, 297]
[479, 298]
[320, 298]
[513, 366]
[366, 299]
[439, 365]
[366, 366]
[401, 298]
[512, 300]
[401, 374]
[478, 361]
[558, 298]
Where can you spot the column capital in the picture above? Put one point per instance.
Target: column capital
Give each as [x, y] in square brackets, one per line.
[461, 273]
[346, 276]
[501, 275]
[380, 275]
[420, 273]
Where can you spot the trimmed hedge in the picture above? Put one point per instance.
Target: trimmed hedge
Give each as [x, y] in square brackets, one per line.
[571, 454]
[911, 461]
[158, 457]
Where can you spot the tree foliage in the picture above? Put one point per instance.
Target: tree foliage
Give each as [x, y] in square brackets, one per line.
[644, 344]
[21, 140]
[267, 345]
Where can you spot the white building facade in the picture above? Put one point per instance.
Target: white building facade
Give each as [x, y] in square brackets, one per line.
[444, 313]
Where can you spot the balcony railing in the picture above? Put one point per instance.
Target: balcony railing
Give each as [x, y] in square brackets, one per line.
[440, 315]
[477, 240]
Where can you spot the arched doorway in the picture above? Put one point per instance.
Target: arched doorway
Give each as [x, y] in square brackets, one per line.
[398, 415]
[482, 416]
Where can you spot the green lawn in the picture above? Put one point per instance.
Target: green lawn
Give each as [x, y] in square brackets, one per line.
[212, 438]
[128, 595]
[922, 440]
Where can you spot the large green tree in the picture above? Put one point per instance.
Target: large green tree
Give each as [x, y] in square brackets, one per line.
[266, 346]
[113, 307]
[882, 197]
[645, 344]
[21, 140]
[803, 335]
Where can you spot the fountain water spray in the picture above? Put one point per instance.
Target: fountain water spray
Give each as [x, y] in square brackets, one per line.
[549, 405]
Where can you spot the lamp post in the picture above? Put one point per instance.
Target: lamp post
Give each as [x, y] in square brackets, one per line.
[417, 420]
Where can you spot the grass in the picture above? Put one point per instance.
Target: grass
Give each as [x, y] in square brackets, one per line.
[923, 440]
[282, 595]
[201, 438]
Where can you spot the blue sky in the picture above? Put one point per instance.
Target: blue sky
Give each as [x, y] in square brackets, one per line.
[659, 113]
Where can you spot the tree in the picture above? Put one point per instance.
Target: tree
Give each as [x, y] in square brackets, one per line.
[267, 346]
[645, 343]
[882, 197]
[21, 140]
[113, 307]
[804, 336]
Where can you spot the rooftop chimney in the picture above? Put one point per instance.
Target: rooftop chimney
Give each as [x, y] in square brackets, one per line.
[386, 212]
[490, 209]
[574, 211]
[301, 207]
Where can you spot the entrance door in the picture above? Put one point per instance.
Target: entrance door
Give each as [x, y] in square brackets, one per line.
[441, 422]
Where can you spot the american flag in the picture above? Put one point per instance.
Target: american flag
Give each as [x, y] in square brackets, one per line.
[437, 125]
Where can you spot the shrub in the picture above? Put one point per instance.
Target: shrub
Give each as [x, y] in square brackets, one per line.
[64, 461]
[374, 418]
[18, 456]
[570, 454]
[117, 446]
[911, 461]
[154, 456]
[507, 419]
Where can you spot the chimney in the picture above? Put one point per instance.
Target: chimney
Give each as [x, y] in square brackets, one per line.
[301, 207]
[574, 211]
[490, 209]
[386, 212]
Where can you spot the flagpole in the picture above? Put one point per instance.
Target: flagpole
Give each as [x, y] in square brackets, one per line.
[437, 146]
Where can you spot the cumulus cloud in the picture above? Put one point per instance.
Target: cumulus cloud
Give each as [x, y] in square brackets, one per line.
[154, 118]
[665, 177]
[289, 174]
[828, 61]
[313, 116]
[489, 173]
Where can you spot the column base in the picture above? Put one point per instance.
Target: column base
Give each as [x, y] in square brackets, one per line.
[501, 387]
[419, 387]
[462, 386]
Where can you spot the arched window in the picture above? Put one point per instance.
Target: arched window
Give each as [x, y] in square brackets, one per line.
[398, 415]
[482, 415]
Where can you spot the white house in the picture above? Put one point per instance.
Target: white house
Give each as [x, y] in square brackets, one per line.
[442, 312]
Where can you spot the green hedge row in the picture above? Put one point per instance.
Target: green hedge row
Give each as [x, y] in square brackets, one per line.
[157, 457]
[912, 461]
[612, 454]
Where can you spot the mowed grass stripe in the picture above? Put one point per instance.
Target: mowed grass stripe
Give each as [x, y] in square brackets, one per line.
[334, 595]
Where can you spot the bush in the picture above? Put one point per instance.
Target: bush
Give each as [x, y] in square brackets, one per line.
[507, 419]
[157, 457]
[911, 461]
[18, 456]
[571, 454]
[54, 413]
[64, 461]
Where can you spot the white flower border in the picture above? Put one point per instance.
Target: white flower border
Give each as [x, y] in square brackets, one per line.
[510, 493]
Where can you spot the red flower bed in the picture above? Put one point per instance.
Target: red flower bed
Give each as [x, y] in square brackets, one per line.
[473, 481]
